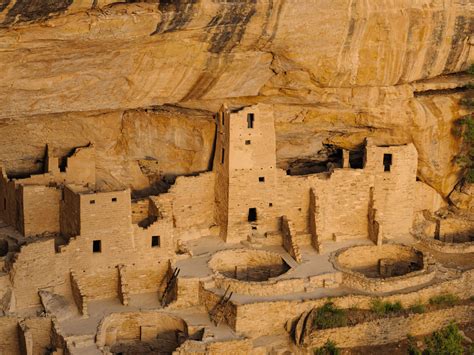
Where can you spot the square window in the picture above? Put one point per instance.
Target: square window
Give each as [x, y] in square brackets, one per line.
[97, 246]
[270, 204]
[114, 199]
[92, 202]
[155, 241]
[261, 179]
[247, 142]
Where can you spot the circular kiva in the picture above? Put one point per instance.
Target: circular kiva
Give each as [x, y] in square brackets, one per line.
[383, 268]
[248, 264]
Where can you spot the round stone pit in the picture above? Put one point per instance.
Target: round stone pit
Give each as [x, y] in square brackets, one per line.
[385, 268]
[253, 272]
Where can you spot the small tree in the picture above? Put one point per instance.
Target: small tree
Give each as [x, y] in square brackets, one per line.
[448, 340]
[327, 349]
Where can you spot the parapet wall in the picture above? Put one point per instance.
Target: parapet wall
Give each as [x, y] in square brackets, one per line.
[272, 316]
[390, 330]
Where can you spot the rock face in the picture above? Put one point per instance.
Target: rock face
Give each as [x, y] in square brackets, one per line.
[75, 71]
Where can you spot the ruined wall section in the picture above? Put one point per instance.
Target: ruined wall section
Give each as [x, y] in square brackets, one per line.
[394, 190]
[37, 268]
[344, 204]
[32, 205]
[192, 205]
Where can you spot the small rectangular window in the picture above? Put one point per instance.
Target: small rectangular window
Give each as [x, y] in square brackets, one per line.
[250, 120]
[261, 179]
[114, 199]
[223, 119]
[387, 162]
[97, 246]
[4, 203]
[270, 204]
[155, 241]
[92, 202]
[247, 142]
[222, 156]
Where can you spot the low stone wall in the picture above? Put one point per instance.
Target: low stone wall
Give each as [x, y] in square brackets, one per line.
[234, 347]
[137, 326]
[289, 242]
[389, 330]
[351, 260]
[264, 288]
[273, 316]
[450, 248]
[248, 264]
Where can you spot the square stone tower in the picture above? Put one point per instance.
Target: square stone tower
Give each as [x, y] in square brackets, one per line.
[245, 167]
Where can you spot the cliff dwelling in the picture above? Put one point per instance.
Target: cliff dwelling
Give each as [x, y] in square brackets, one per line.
[236, 177]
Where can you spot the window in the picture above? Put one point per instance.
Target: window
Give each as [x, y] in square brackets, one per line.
[92, 202]
[4, 203]
[250, 120]
[97, 246]
[270, 204]
[222, 156]
[261, 179]
[222, 118]
[155, 241]
[252, 215]
[247, 142]
[387, 162]
[114, 199]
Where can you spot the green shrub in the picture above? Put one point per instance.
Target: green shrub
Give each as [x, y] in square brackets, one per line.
[382, 308]
[412, 348]
[470, 70]
[447, 299]
[329, 316]
[445, 341]
[327, 349]
[417, 308]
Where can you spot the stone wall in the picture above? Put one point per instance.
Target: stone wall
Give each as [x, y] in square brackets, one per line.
[343, 204]
[10, 340]
[35, 335]
[394, 189]
[39, 211]
[104, 217]
[192, 204]
[272, 316]
[137, 326]
[390, 330]
[245, 164]
[289, 243]
[31, 204]
[234, 347]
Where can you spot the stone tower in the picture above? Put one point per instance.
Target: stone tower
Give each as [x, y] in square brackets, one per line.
[246, 177]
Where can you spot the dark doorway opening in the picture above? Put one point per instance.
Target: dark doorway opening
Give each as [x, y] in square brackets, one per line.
[252, 215]
[387, 162]
[155, 241]
[356, 159]
[96, 246]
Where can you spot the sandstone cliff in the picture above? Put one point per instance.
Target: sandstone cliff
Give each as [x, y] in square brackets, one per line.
[141, 79]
